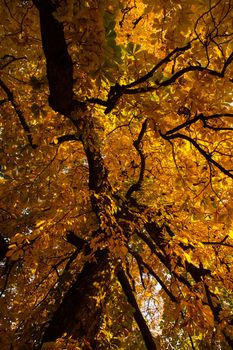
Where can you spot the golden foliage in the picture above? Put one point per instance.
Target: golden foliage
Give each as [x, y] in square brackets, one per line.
[140, 168]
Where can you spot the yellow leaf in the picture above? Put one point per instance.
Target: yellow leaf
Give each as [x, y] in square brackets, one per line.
[230, 233]
[187, 257]
[39, 223]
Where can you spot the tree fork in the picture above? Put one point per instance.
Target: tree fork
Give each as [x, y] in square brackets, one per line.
[78, 313]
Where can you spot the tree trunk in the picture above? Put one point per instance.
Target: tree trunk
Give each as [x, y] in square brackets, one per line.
[79, 314]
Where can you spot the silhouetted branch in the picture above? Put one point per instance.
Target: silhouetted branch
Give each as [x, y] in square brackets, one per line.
[204, 120]
[118, 90]
[19, 113]
[137, 144]
[3, 247]
[140, 262]
[179, 74]
[59, 62]
[146, 334]
[60, 79]
[186, 124]
[227, 63]
[165, 60]
[65, 138]
[3, 101]
[157, 235]
[206, 155]
[8, 59]
[98, 101]
[206, 125]
[164, 259]
[73, 239]
[215, 307]
[125, 11]
[219, 243]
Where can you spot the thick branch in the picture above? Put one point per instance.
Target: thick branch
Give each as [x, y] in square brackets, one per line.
[164, 259]
[65, 138]
[75, 240]
[117, 90]
[60, 79]
[157, 234]
[79, 313]
[59, 63]
[140, 261]
[146, 334]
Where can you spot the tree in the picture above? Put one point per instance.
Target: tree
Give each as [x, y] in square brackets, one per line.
[116, 174]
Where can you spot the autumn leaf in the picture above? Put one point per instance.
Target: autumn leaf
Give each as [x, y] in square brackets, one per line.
[116, 174]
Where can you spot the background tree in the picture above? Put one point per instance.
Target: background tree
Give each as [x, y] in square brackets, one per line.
[116, 174]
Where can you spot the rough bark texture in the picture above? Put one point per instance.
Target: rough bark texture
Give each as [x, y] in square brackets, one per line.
[79, 314]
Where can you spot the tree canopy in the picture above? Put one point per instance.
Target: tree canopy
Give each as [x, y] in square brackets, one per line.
[116, 196]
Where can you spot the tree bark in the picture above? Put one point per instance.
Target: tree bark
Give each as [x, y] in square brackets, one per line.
[58, 61]
[79, 314]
